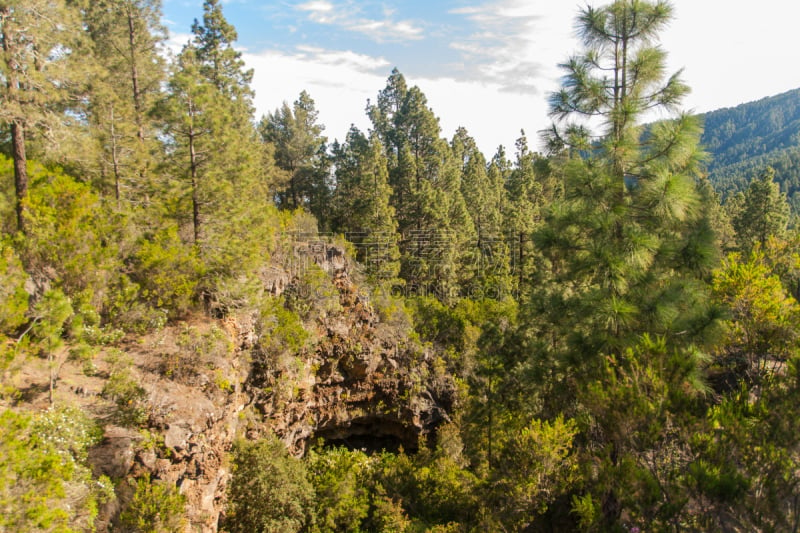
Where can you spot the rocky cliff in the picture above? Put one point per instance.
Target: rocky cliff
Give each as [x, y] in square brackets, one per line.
[350, 375]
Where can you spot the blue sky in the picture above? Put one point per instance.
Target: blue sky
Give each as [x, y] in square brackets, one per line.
[485, 64]
[428, 39]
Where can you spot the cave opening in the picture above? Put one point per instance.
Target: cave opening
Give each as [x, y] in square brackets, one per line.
[370, 435]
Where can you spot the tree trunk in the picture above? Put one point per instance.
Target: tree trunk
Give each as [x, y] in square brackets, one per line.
[521, 265]
[115, 160]
[137, 97]
[20, 170]
[17, 125]
[195, 192]
[52, 387]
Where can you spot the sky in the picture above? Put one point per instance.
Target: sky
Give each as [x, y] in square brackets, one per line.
[486, 65]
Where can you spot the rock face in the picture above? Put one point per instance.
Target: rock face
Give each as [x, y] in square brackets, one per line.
[190, 430]
[366, 390]
[356, 382]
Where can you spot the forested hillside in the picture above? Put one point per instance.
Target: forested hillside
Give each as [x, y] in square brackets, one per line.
[745, 139]
[212, 321]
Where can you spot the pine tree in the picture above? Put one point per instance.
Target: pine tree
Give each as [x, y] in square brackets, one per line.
[764, 212]
[126, 35]
[38, 40]
[719, 217]
[483, 199]
[220, 62]
[627, 249]
[361, 204]
[382, 114]
[619, 76]
[524, 200]
[425, 180]
[632, 215]
[190, 127]
[300, 150]
[216, 157]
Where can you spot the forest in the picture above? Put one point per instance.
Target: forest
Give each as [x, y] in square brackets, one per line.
[747, 138]
[585, 337]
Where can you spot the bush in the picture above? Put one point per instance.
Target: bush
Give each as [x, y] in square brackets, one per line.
[124, 309]
[12, 290]
[312, 294]
[71, 235]
[167, 271]
[69, 430]
[280, 328]
[156, 507]
[348, 495]
[433, 488]
[388, 516]
[269, 492]
[537, 465]
[45, 484]
[198, 353]
[340, 478]
[124, 390]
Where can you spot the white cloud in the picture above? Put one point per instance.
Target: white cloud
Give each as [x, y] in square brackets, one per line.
[347, 16]
[513, 43]
[316, 6]
[346, 59]
[507, 64]
[320, 11]
[341, 82]
[490, 114]
[743, 56]
[387, 30]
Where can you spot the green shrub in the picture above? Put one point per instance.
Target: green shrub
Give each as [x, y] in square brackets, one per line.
[269, 492]
[341, 481]
[126, 311]
[13, 298]
[433, 488]
[280, 328]
[387, 516]
[122, 388]
[69, 430]
[313, 294]
[349, 496]
[198, 351]
[49, 317]
[537, 464]
[167, 271]
[45, 484]
[71, 236]
[157, 507]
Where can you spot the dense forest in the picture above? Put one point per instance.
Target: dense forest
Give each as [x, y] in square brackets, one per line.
[581, 339]
[745, 139]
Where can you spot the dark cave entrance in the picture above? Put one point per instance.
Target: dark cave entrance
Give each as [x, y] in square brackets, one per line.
[370, 435]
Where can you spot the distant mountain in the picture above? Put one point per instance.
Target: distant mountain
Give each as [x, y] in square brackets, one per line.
[743, 140]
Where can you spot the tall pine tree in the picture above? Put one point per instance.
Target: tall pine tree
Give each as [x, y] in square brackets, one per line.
[524, 199]
[300, 150]
[126, 35]
[483, 195]
[361, 203]
[628, 251]
[219, 62]
[217, 158]
[38, 39]
[425, 180]
[764, 212]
